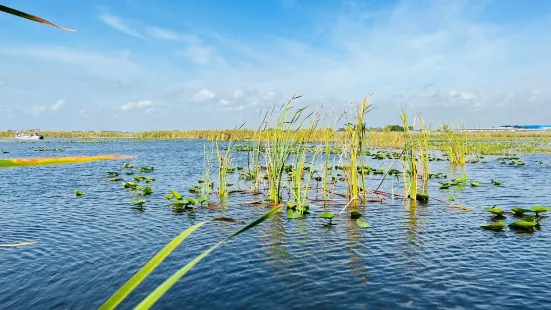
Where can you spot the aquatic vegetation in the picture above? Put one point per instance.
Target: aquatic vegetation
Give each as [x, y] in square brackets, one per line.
[128, 166]
[494, 210]
[496, 182]
[497, 226]
[78, 192]
[523, 225]
[138, 203]
[144, 169]
[520, 211]
[474, 183]
[540, 209]
[361, 223]
[455, 145]
[34, 18]
[144, 272]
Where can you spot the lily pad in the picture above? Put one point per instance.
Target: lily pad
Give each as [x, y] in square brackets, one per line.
[523, 225]
[138, 203]
[355, 215]
[293, 214]
[327, 215]
[498, 226]
[494, 210]
[362, 224]
[78, 192]
[540, 209]
[520, 211]
[169, 196]
[474, 183]
[176, 195]
[496, 182]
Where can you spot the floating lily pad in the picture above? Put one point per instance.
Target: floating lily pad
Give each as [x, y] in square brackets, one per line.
[474, 183]
[176, 195]
[78, 192]
[494, 210]
[362, 224]
[327, 215]
[422, 197]
[540, 209]
[520, 211]
[139, 203]
[498, 226]
[496, 182]
[127, 165]
[523, 225]
[169, 196]
[293, 214]
[355, 215]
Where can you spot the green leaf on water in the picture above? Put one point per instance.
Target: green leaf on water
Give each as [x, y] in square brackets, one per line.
[520, 211]
[540, 209]
[201, 200]
[176, 195]
[459, 188]
[147, 191]
[293, 214]
[169, 196]
[496, 182]
[494, 210]
[451, 198]
[139, 203]
[523, 225]
[445, 186]
[192, 201]
[113, 173]
[127, 165]
[355, 215]
[497, 226]
[474, 183]
[327, 215]
[78, 192]
[362, 224]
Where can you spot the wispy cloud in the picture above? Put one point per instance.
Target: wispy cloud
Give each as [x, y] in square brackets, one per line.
[120, 25]
[203, 95]
[146, 105]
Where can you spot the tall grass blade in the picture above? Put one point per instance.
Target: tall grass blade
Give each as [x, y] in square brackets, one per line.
[131, 284]
[31, 17]
[152, 298]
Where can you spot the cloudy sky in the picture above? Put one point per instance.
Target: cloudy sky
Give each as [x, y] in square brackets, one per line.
[152, 64]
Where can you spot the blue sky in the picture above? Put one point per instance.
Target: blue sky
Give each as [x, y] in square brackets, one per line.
[151, 64]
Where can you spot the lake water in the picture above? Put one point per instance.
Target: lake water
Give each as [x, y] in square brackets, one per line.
[428, 257]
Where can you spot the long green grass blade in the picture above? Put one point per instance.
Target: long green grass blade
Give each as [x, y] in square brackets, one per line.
[152, 298]
[131, 284]
[30, 17]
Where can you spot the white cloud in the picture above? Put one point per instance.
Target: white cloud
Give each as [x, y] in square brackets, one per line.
[38, 110]
[203, 95]
[57, 105]
[201, 55]
[161, 33]
[120, 25]
[137, 105]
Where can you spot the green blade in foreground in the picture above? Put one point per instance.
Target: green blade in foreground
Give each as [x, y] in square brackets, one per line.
[30, 17]
[152, 298]
[131, 284]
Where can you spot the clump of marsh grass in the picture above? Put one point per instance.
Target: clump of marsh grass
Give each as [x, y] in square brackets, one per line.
[416, 149]
[352, 150]
[292, 128]
[455, 145]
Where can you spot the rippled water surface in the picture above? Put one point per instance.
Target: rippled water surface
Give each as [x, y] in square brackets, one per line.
[427, 257]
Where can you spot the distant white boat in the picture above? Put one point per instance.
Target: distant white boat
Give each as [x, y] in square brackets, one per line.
[33, 136]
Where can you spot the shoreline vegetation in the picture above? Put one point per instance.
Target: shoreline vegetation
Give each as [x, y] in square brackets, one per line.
[476, 142]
